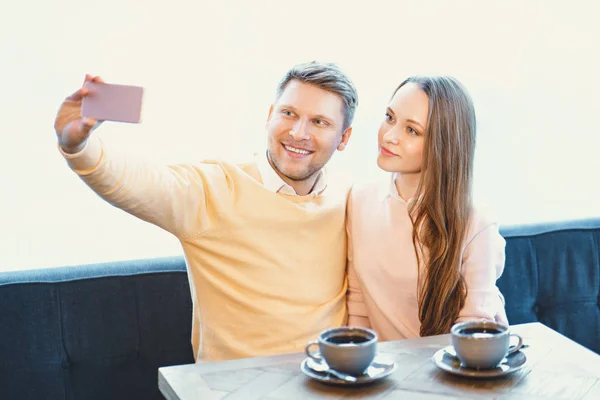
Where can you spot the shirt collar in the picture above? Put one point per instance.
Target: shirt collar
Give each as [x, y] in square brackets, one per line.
[393, 190]
[273, 182]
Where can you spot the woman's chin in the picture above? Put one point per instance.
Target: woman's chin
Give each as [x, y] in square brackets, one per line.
[385, 164]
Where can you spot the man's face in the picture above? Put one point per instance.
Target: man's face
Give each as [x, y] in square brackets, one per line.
[305, 127]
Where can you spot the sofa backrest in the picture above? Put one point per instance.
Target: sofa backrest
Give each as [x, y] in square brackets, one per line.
[102, 331]
[552, 276]
[95, 331]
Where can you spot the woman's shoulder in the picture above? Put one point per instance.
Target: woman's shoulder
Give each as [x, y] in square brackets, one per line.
[371, 190]
[483, 218]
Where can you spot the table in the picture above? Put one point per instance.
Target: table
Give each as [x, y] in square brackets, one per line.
[557, 368]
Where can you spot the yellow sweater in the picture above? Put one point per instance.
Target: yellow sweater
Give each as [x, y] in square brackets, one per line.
[267, 270]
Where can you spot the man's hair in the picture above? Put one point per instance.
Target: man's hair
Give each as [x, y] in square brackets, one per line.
[326, 76]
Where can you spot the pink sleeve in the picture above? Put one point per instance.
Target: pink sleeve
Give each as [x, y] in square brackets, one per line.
[357, 311]
[482, 264]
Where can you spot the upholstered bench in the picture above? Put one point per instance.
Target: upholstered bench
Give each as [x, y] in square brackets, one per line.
[101, 331]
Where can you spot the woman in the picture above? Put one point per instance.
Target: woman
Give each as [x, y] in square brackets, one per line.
[421, 257]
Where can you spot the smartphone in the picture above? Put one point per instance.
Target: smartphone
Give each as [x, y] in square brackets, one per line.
[111, 102]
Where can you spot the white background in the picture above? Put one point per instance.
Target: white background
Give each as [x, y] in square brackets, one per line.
[210, 71]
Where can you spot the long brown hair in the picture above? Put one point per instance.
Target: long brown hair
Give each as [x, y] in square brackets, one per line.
[443, 202]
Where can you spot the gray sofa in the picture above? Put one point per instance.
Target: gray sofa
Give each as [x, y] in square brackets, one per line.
[101, 331]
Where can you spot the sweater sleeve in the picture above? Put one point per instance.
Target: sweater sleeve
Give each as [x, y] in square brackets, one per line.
[179, 198]
[357, 311]
[482, 264]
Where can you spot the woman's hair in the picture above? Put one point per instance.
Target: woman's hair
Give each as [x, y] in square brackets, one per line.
[443, 204]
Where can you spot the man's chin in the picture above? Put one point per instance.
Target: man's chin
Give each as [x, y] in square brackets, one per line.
[297, 176]
[297, 170]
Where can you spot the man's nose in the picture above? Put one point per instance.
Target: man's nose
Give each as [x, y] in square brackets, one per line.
[300, 130]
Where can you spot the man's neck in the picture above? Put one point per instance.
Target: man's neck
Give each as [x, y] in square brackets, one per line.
[303, 187]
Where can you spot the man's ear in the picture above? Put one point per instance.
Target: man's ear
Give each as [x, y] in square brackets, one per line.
[269, 116]
[345, 138]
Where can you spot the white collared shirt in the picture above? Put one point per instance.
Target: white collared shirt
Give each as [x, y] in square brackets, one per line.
[272, 180]
[394, 189]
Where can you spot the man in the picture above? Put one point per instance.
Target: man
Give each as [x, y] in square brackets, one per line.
[264, 241]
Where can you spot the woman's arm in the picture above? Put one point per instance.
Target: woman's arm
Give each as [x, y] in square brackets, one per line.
[482, 264]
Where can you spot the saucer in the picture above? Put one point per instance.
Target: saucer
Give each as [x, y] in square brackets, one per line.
[380, 368]
[446, 359]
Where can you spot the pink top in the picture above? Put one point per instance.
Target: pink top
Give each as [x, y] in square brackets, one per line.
[382, 265]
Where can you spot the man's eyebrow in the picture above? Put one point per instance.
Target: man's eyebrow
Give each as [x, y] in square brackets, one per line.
[317, 116]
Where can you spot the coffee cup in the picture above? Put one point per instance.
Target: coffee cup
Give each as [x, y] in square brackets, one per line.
[345, 349]
[483, 344]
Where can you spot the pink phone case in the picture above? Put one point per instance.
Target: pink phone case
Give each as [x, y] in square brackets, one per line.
[110, 102]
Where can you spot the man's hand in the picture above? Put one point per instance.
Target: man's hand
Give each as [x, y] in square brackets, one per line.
[71, 129]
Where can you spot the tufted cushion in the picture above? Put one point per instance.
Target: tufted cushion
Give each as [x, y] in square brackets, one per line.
[101, 331]
[552, 275]
[93, 332]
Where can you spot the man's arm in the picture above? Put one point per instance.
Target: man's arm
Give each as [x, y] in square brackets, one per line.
[174, 198]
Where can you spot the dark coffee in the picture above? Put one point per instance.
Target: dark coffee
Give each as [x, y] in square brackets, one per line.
[480, 332]
[347, 339]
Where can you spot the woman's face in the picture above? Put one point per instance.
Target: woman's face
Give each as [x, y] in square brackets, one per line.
[402, 132]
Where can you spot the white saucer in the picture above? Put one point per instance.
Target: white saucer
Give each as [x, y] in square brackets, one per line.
[446, 359]
[380, 368]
